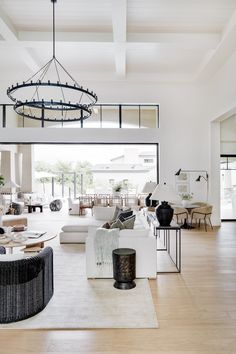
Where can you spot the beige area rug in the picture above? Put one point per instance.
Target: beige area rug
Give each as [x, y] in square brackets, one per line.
[81, 303]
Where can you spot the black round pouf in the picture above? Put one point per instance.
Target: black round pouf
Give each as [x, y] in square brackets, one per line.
[55, 205]
[124, 268]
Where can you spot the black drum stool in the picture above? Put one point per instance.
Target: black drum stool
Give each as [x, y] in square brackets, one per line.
[124, 268]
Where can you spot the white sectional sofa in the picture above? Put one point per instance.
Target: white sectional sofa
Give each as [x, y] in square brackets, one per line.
[142, 241]
[78, 231]
[140, 238]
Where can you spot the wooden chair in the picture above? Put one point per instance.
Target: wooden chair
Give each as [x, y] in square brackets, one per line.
[86, 202]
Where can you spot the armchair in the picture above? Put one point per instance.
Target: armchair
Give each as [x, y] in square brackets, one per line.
[73, 206]
[26, 286]
[202, 213]
[180, 214]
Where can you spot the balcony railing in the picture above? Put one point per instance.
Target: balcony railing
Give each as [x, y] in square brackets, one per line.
[103, 116]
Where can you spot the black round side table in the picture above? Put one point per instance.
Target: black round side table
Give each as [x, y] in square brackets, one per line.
[124, 268]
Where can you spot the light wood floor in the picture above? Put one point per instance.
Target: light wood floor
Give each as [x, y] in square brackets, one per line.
[196, 309]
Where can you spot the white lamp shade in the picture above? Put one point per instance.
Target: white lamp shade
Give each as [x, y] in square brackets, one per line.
[11, 184]
[164, 192]
[149, 187]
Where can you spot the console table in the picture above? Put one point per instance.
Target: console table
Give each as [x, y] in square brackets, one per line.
[168, 234]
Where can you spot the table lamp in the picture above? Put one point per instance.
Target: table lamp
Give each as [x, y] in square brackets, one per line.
[149, 188]
[165, 194]
[9, 185]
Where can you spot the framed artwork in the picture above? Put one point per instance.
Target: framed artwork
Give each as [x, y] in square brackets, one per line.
[182, 177]
[182, 188]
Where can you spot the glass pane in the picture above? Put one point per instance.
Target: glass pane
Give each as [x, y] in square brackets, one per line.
[94, 120]
[148, 116]
[228, 194]
[223, 163]
[130, 116]
[110, 117]
[232, 163]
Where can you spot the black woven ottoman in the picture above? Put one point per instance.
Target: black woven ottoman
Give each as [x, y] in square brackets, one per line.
[124, 268]
[55, 205]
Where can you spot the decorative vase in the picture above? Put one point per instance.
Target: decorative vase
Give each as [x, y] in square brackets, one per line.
[164, 214]
[185, 202]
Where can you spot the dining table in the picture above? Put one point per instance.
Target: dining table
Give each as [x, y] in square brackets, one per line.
[189, 207]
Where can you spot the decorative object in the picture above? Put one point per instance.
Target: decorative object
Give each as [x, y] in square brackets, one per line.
[55, 205]
[186, 198]
[149, 188]
[164, 212]
[45, 97]
[124, 268]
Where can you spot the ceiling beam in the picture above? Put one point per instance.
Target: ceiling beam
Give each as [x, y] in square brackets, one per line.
[215, 58]
[194, 41]
[7, 30]
[10, 35]
[119, 25]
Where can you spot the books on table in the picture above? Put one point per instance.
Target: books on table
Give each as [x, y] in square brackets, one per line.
[33, 233]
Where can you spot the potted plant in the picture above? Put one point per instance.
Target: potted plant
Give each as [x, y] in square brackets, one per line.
[1, 180]
[117, 188]
[186, 198]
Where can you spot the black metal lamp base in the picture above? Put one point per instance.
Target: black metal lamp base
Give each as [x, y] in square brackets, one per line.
[124, 286]
[149, 202]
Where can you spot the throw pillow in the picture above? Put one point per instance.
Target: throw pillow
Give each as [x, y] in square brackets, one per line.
[125, 214]
[117, 225]
[116, 213]
[106, 225]
[129, 222]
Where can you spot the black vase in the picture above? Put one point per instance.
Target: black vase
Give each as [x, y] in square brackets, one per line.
[164, 214]
[149, 202]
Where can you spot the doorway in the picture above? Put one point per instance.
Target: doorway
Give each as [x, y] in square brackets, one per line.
[228, 187]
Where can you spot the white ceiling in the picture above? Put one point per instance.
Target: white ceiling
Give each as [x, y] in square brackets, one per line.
[106, 40]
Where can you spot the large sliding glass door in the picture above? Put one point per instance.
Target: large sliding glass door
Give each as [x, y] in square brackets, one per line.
[228, 187]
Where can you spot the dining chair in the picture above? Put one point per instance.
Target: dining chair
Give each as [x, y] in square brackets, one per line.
[202, 213]
[180, 214]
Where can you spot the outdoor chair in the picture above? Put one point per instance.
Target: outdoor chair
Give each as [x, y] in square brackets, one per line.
[73, 206]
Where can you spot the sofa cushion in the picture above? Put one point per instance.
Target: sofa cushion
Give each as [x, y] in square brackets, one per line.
[117, 225]
[125, 214]
[106, 226]
[129, 222]
[74, 228]
[104, 213]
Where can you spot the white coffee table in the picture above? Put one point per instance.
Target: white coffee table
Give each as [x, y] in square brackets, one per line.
[30, 242]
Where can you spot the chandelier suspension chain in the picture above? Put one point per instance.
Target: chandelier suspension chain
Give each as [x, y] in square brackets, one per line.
[45, 97]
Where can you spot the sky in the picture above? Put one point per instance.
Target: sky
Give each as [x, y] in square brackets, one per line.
[92, 153]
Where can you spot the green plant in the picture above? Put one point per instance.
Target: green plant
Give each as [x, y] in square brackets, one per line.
[1, 180]
[187, 196]
[117, 187]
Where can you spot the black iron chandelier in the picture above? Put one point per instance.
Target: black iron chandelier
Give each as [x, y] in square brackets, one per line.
[52, 94]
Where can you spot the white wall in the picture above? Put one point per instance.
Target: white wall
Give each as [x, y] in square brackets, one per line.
[183, 135]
